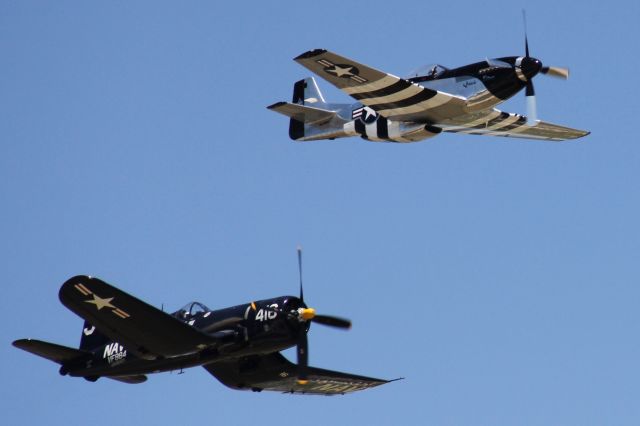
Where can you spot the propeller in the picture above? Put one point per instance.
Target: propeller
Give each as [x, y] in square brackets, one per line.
[530, 93]
[557, 72]
[304, 315]
[302, 350]
[528, 67]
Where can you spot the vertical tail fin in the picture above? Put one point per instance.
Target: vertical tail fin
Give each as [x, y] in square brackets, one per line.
[311, 118]
[91, 338]
[305, 92]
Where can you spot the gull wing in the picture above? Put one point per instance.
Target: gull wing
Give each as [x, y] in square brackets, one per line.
[392, 97]
[147, 331]
[273, 372]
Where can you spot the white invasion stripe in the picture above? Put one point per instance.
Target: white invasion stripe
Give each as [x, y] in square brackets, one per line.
[325, 63]
[495, 129]
[350, 128]
[434, 102]
[514, 131]
[372, 132]
[374, 85]
[394, 97]
[521, 128]
[504, 123]
[493, 114]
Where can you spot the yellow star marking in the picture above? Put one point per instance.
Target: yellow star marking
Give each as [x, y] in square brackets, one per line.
[100, 302]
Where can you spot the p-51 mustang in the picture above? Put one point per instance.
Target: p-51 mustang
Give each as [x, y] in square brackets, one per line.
[124, 339]
[393, 109]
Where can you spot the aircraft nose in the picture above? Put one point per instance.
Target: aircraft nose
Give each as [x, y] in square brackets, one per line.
[530, 66]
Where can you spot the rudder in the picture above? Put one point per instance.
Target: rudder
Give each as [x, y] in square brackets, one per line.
[305, 92]
[91, 338]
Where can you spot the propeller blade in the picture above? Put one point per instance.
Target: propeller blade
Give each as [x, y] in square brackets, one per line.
[300, 271]
[529, 90]
[332, 321]
[532, 114]
[309, 314]
[526, 41]
[558, 72]
[303, 356]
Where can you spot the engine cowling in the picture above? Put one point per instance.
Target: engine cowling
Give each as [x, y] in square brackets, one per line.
[383, 130]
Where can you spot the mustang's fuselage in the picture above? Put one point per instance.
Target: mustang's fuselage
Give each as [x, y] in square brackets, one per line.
[418, 107]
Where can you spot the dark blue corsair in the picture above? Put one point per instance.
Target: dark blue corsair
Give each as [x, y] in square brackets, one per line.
[124, 339]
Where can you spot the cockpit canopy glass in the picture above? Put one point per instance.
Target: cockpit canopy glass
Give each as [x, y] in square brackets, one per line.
[191, 309]
[430, 70]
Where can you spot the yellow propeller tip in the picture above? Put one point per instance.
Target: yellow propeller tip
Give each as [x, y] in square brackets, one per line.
[308, 313]
[302, 382]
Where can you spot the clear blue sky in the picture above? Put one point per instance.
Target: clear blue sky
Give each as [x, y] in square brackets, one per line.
[500, 277]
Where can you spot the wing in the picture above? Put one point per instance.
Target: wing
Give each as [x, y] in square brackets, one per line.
[494, 122]
[392, 97]
[149, 332]
[273, 372]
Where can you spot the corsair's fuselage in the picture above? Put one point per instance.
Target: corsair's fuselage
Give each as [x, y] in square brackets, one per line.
[248, 329]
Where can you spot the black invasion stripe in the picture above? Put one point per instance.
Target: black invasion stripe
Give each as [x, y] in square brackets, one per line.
[503, 116]
[360, 128]
[385, 91]
[383, 128]
[520, 121]
[425, 95]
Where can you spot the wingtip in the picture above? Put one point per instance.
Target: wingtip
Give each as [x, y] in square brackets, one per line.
[276, 105]
[20, 343]
[583, 133]
[310, 54]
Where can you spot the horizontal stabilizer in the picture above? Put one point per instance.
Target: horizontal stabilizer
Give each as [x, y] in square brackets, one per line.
[50, 351]
[303, 114]
[132, 380]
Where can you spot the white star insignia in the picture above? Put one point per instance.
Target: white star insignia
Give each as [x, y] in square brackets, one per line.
[100, 302]
[341, 72]
[368, 112]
